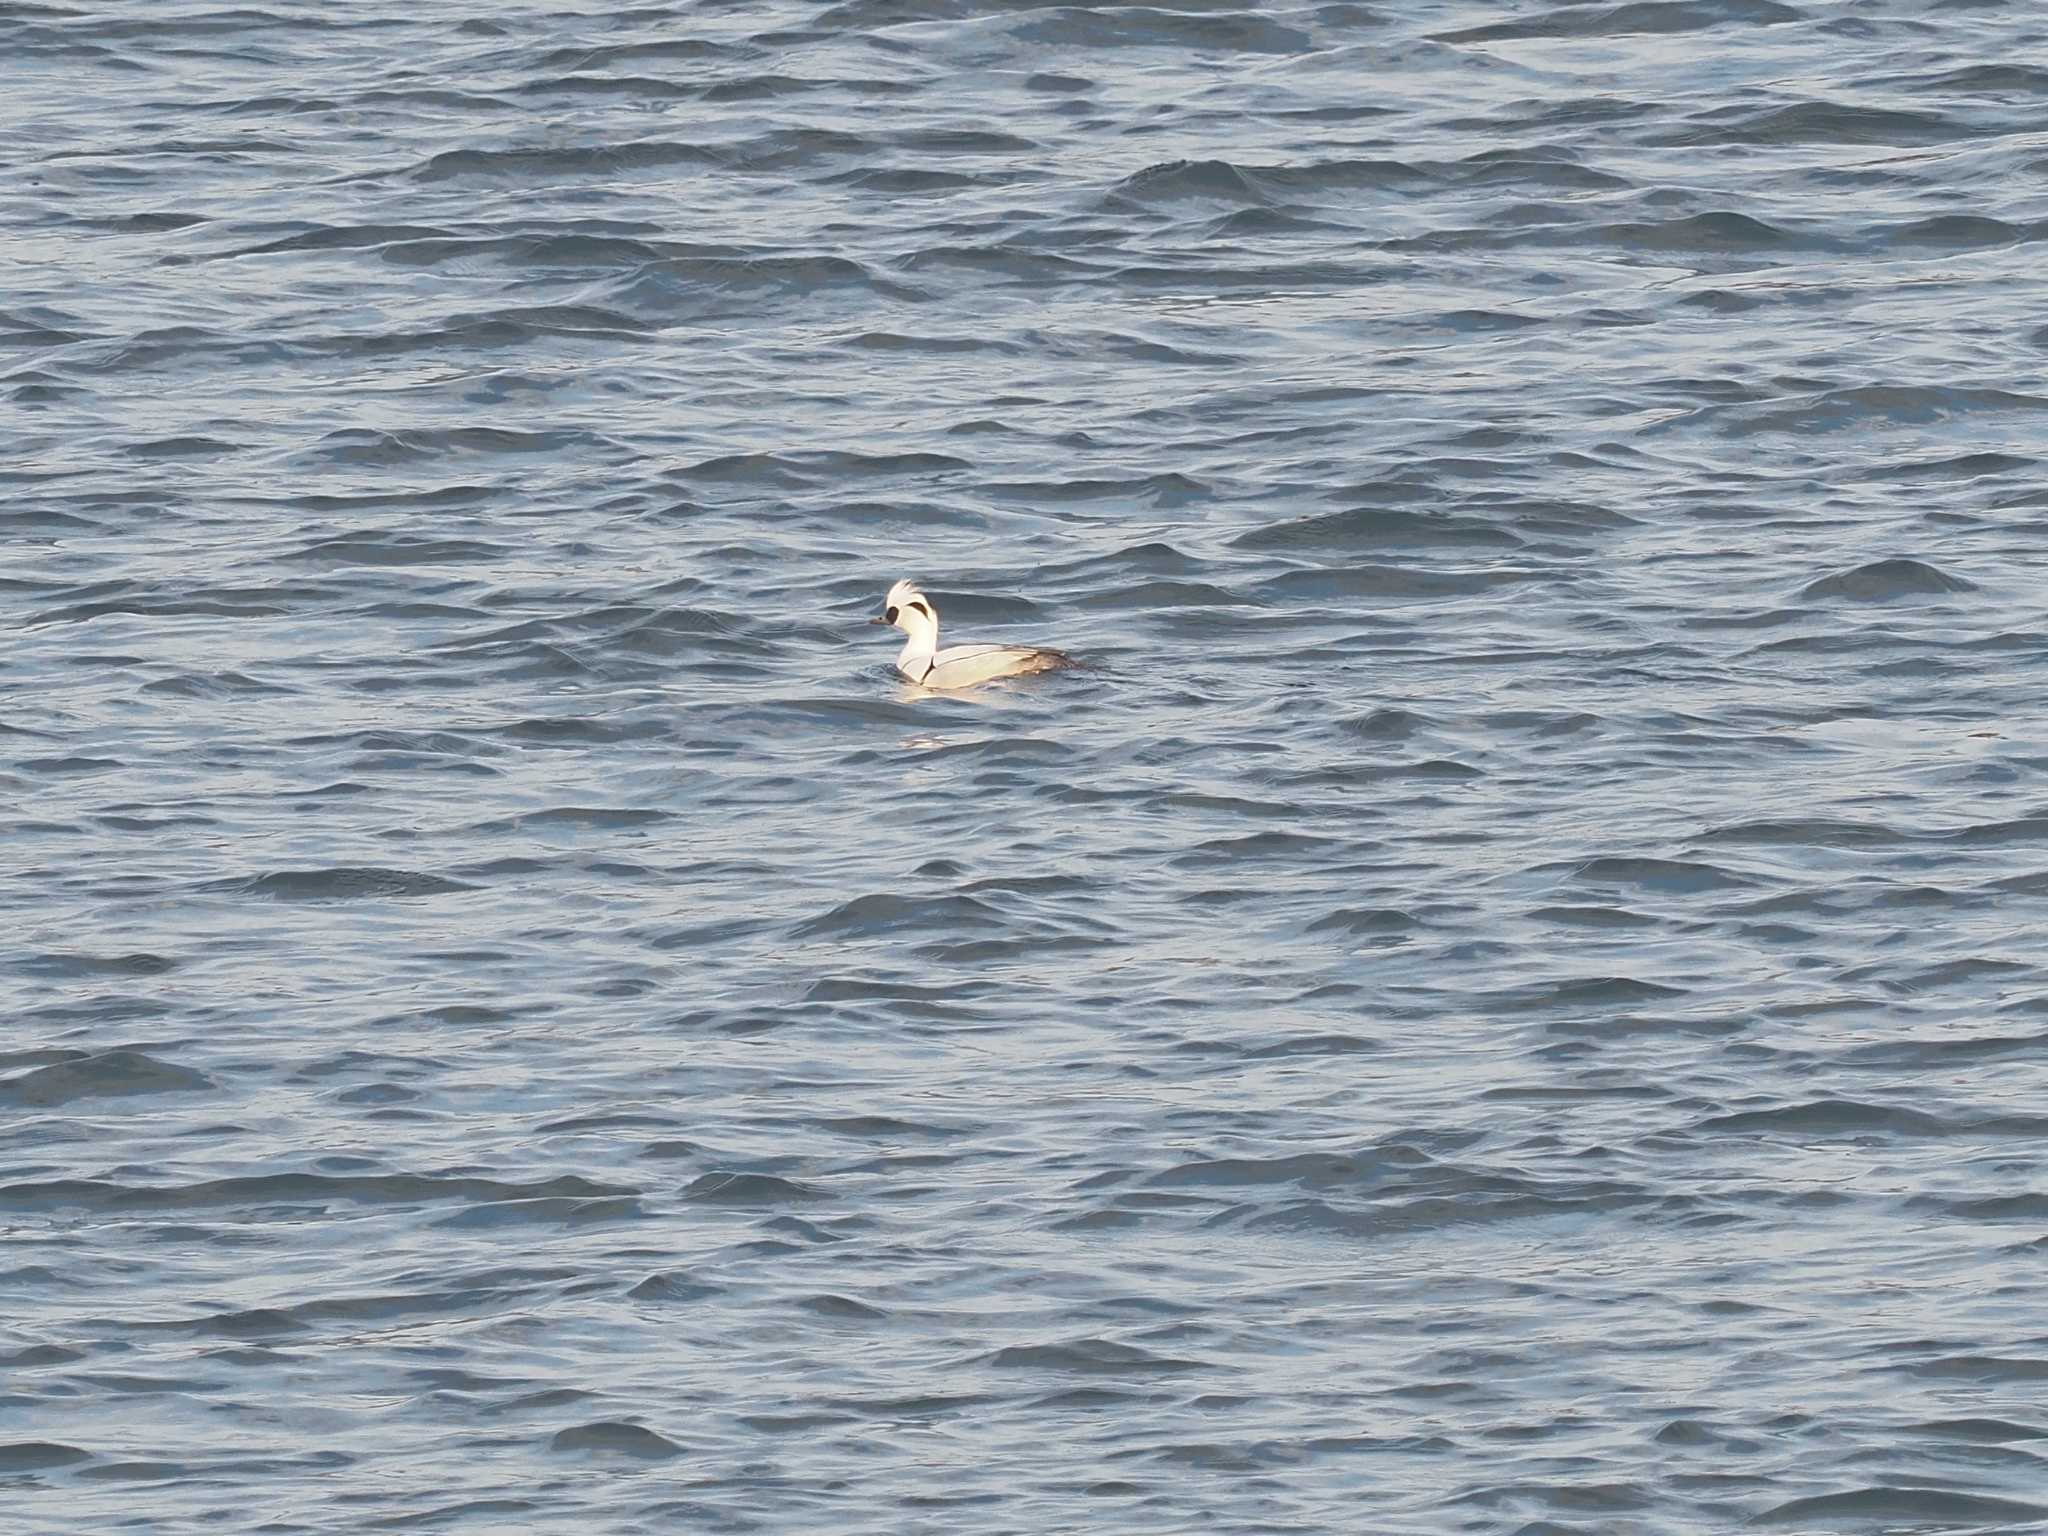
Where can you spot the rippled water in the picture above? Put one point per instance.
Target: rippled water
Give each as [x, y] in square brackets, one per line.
[1511, 1000]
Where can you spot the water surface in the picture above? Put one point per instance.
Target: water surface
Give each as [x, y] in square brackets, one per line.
[1511, 1000]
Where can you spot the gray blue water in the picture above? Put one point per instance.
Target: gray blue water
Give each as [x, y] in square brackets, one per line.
[1510, 999]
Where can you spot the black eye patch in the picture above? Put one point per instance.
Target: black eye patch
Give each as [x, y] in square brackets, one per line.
[889, 617]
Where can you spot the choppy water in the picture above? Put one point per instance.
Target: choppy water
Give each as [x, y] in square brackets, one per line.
[1513, 1001]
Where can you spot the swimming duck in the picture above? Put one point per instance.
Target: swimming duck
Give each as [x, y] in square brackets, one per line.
[958, 666]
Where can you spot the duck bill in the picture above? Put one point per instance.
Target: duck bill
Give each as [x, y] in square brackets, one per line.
[883, 622]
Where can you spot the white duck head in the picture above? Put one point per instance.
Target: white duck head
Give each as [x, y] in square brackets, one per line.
[912, 612]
